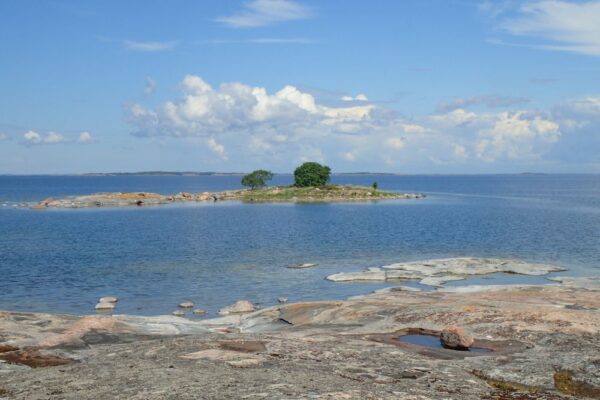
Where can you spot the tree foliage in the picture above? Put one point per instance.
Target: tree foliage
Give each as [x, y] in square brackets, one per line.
[257, 179]
[311, 174]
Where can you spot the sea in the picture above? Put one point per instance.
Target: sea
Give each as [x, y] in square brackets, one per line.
[152, 258]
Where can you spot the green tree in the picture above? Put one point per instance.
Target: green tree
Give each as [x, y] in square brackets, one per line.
[375, 186]
[257, 179]
[311, 174]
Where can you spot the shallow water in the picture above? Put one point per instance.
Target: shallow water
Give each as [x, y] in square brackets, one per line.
[214, 254]
[434, 342]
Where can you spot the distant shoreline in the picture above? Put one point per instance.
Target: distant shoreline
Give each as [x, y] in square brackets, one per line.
[212, 173]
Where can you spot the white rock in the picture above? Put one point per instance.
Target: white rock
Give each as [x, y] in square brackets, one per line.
[186, 304]
[282, 299]
[300, 266]
[358, 276]
[105, 306]
[199, 311]
[108, 299]
[178, 313]
[240, 306]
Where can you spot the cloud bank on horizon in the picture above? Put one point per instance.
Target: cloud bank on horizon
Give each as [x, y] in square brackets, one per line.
[349, 99]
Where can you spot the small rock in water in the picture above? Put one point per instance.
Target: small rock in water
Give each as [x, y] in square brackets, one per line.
[199, 311]
[178, 313]
[282, 299]
[108, 299]
[240, 306]
[186, 304]
[105, 306]
[455, 337]
[300, 266]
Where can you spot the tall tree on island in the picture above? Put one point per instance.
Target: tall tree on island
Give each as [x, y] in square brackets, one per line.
[311, 174]
[257, 179]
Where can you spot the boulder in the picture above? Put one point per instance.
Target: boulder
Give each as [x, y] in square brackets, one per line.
[105, 306]
[186, 304]
[199, 311]
[455, 338]
[178, 313]
[240, 306]
[108, 299]
[282, 299]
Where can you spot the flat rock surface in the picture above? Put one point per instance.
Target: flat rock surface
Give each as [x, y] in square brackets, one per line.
[440, 271]
[321, 350]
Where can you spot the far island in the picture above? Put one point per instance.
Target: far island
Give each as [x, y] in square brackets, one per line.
[311, 185]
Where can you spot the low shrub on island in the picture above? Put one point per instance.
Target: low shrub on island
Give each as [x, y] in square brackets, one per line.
[257, 179]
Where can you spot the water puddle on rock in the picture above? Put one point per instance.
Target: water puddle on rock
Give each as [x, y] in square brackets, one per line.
[434, 342]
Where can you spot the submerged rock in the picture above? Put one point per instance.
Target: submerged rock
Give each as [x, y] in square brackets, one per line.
[301, 266]
[282, 299]
[240, 306]
[455, 338]
[199, 311]
[178, 313]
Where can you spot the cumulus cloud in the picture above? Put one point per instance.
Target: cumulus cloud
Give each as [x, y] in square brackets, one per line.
[33, 138]
[358, 97]
[395, 143]
[149, 46]
[217, 148]
[291, 125]
[259, 13]
[491, 101]
[85, 137]
[556, 25]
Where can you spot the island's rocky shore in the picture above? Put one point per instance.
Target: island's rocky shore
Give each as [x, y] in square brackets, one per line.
[544, 342]
[271, 194]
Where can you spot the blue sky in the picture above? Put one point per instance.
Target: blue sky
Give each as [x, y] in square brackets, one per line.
[433, 86]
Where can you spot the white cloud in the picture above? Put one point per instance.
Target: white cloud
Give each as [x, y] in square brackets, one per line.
[259, 13]
[395, 143]
[4, 136]
[349, 156]
[515, 136]
[32, 137]
[205, 111]
[217, 148]
[289, 125]
[558, 25]
[85, 137]
[358, 97]
[150, 86]
[149, 46]
[265, 40]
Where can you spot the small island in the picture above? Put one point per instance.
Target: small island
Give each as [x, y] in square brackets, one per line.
[311, 185]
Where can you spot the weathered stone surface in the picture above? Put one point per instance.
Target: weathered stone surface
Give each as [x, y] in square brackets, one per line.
[240, 306]
[455, 337]
[199, 311]
[186, 304]
[440, 271]
[324, 350]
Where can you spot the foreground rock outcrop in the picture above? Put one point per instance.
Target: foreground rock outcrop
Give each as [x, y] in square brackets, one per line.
[544, 343]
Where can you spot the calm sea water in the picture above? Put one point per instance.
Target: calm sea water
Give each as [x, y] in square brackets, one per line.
[214, 254]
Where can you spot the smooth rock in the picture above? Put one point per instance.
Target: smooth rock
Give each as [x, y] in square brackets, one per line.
[240, 306]
[455, 337]
[282, 299]
[199, 311]
[105, 306]
[300, 266]
[108, 299]
[178, 313]
[186, 304]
